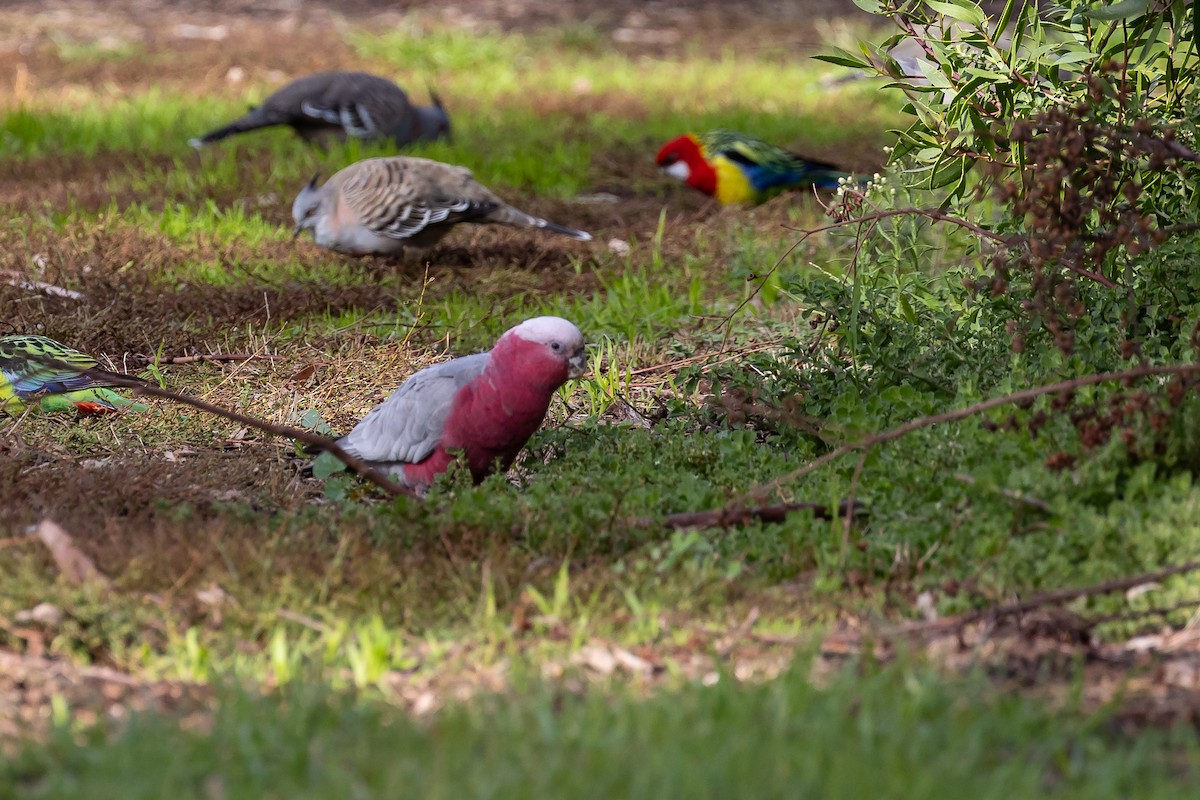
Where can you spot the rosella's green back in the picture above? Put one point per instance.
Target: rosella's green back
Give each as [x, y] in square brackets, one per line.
[39, 373]
[769, 168]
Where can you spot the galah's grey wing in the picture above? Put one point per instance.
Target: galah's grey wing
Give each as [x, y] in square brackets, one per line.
[407, 426]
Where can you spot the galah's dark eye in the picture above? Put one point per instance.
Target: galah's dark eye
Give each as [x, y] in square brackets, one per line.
[555, 346]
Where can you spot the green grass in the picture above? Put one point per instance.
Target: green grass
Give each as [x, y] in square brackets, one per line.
[887, 733]
[336, 595]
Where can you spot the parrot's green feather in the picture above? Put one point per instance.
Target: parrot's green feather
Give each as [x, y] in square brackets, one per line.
[40, 371]
[765, 168]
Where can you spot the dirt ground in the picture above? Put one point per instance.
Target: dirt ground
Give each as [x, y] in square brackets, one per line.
[122, 313]
[628, 23]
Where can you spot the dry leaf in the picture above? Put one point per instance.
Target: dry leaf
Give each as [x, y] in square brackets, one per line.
[70, 560]
[597, 658]
[46, 614]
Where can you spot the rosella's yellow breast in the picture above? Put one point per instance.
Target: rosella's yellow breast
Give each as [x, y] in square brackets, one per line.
[9, 402]
[732, 184]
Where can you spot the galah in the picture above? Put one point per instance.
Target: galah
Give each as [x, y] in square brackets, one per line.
[383, 206]
[28, 380]
[483, 406]
[342, 105]
[736, 168]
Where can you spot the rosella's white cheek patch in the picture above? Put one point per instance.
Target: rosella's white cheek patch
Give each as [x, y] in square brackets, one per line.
[679, 170]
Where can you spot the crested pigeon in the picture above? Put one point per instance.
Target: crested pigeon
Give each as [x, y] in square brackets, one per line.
[342, 104]
[384, 206]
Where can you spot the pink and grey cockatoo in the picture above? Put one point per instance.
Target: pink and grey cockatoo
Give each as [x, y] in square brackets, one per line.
[485, 406]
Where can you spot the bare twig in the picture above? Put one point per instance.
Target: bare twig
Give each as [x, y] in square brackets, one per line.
[308, 437]
[302, 619]
[1059, 596]
[74, 565]
[1054, 597]
[1024, 499]
[40, 286]
[718, 356]
[733, 517]
[217, 357]
[928, 213]
[872, 218]
[969, 411]
[848, 521]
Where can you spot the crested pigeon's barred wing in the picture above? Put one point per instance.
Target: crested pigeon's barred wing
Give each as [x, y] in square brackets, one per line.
[401, 197]
[383, 206]
[357, 104]
[407, 426]
[362, 105]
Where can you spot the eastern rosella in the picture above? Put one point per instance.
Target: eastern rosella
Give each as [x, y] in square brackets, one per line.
[736, 168]
[26, 381]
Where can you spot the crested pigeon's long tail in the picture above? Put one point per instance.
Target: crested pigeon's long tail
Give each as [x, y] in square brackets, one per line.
[511, 216]
[254, 120]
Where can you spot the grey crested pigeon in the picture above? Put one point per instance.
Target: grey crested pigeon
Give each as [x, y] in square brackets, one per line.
[384, 206]
[342, 104]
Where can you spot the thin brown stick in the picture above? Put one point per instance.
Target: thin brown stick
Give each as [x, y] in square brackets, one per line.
[15, 540]
[733, 517]
[1058, 596]
[703, 358]
[1124, 616]
[873, 218]
[848, 521]
[217, 357]
[1054, 597]
[356, 464]
[969, 411]
[1040, 505]
[928, 213]
[302, 619]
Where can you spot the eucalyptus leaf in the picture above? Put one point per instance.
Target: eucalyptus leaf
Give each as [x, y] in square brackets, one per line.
[1126, 9]
[961, 10]
[326, 464]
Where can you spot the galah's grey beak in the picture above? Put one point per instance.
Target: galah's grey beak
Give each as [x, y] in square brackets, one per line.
[577, 364]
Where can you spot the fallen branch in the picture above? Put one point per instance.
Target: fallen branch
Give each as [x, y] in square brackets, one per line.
[318, 441]
[871, 219]
[1040, 505]
[40, 286]
[72, 563]
[1059, 596]
[969, 411]
[733, 517]
[217, 357]
[1051, 598]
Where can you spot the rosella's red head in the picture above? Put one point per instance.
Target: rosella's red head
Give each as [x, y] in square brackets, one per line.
[682, 158]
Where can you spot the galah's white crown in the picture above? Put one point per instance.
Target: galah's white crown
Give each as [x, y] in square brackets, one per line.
[545, 330]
